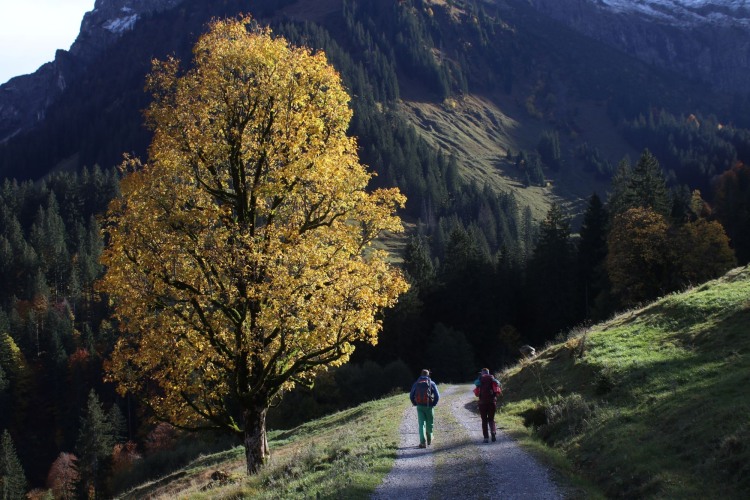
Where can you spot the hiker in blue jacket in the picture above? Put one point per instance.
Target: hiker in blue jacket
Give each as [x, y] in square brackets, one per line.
[425, 396]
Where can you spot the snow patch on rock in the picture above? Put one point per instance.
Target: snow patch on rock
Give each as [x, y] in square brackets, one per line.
[684, 12]
[121, 24]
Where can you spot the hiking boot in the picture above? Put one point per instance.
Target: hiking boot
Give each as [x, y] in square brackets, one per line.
[494, 438]
[486, 440]
[422, 445]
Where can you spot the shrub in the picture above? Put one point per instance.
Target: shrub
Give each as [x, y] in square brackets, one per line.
[63, 476]
[732, 456]
[124, 455]
[186, 449]
[604, 381]
[162, 437]
[566, 416]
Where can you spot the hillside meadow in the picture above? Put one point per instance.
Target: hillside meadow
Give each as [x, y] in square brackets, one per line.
[343, 455]
[653, 403]
[650, 404]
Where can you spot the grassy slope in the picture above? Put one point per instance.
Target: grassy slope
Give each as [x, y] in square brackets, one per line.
[344, 455]
[478, 132]
[653, 403]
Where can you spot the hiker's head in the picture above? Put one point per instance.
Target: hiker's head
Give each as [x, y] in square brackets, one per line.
[485, 371]
[425, 372]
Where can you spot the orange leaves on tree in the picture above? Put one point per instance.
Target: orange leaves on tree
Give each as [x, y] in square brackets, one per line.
[63, 476]
[638, 256]
[649, 257]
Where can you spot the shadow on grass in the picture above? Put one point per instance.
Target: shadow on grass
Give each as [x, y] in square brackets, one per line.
[338, 419]
[671, 414]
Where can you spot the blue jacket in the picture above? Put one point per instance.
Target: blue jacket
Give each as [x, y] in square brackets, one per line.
[435, 392]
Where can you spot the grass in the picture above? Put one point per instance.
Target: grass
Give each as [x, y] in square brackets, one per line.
[344, 455]
[478, 133]
[653, 403]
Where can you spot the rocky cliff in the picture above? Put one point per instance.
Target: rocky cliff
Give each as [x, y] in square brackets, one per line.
[25, 99]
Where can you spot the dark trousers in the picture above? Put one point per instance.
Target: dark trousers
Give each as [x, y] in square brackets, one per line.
[487, 412]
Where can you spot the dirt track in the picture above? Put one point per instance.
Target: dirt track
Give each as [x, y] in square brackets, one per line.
[459, 464]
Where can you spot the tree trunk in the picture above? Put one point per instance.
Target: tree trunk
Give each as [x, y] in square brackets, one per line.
[256, 444]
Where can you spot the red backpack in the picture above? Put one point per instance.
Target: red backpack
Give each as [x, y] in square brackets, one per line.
[423, 393]
[487, 389]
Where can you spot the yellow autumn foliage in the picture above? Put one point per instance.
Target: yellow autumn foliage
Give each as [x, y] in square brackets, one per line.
[239, 259]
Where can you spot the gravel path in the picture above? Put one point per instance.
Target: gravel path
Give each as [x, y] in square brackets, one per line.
[459, 465]
[413, 473]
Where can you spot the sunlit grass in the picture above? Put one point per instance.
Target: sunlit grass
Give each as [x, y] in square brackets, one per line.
[653, 403]
[344, 455]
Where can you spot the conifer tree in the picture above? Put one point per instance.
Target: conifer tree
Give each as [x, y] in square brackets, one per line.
[461, 253]
[449, 349]
[528, 232]
[549, 149]
[592, 251]
[417, 261]
[650, 185]
[550, 275]
[12, 477]
[119, 425]
[96, 439]
[644, 186]
[4, 398]
[619, 186]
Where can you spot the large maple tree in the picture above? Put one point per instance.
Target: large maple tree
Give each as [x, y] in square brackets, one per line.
[240, 258]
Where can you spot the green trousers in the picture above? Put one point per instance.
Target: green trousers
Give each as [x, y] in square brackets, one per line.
[425, 416]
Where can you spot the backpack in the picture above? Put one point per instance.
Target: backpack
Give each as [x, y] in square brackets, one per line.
[423, 392]
[486, 389]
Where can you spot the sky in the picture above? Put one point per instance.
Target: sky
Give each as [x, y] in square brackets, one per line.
[32, 30]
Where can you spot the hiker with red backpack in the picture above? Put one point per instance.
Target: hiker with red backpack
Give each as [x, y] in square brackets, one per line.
[487, 388]
[425, 396]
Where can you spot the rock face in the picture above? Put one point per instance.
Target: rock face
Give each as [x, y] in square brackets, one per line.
[707, 40]
[25, 99]
[109, 20]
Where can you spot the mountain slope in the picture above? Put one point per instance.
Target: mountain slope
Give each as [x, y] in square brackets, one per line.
[25, 99]
[707, 40]
[343, 455]
[654, 402]
[511, 75]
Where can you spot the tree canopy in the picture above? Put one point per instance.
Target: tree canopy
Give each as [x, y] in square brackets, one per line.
[640, 256]
[240, 260]
[641, 186]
